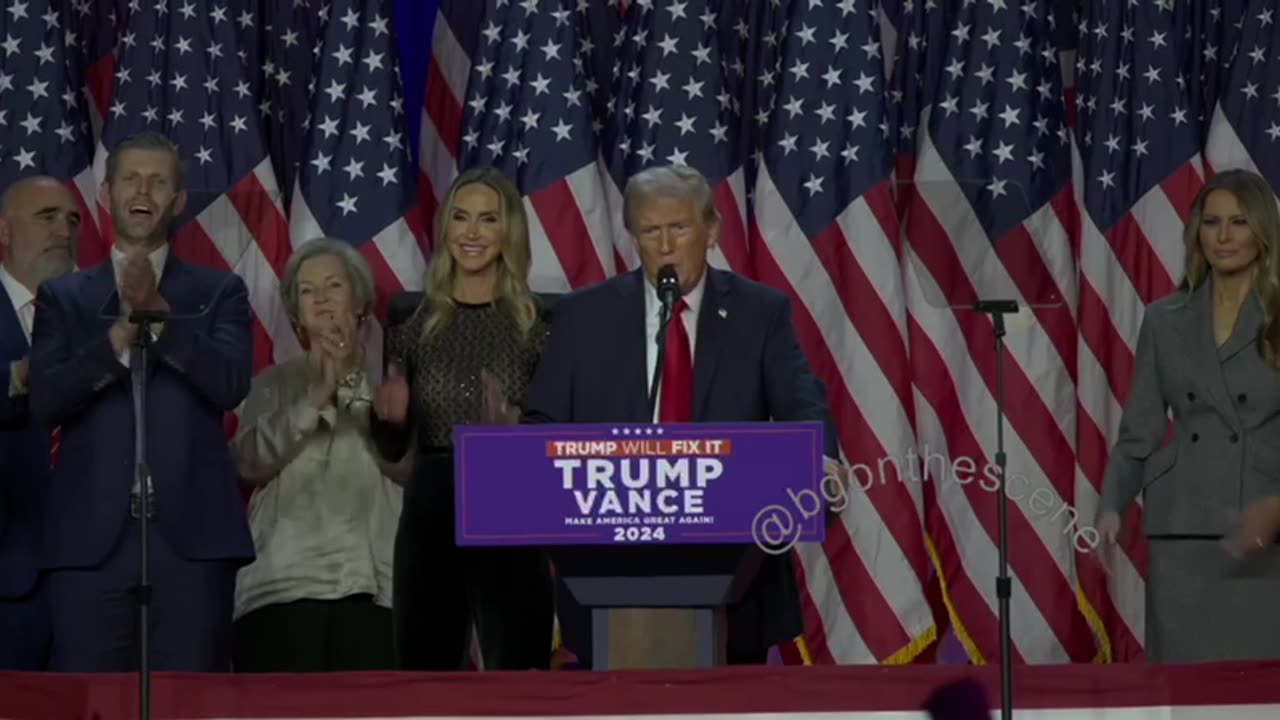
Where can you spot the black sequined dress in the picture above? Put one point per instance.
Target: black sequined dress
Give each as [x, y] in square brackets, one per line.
[439, 589]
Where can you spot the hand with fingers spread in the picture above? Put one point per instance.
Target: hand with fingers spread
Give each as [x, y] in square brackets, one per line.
[391, 398]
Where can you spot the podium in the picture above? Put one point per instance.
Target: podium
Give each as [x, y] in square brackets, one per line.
[655, 529]
[657, 607]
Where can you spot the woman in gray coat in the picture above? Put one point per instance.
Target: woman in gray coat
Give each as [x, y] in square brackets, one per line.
[1210, 353]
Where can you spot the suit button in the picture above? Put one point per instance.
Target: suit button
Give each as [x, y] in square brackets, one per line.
[1241, 398]
[1195, 437]
[1234, 438]
[1191, 396]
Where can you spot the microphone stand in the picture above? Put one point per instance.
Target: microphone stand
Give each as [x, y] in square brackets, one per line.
[997, 309]
[664, 321]
[138, 372]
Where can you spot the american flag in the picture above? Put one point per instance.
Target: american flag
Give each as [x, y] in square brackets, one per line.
[1138, 169]
[178, 72]
[824, 228]
[987, 203]
[1244, 130]
[44, 122]
[280, 49]
[355, 177]
[669, 104]
[92, 31]
[511, 92]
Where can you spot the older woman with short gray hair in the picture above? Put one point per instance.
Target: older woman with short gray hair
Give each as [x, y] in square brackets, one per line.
[324, 511]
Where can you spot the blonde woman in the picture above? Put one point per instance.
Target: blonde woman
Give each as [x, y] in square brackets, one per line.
[324, 513]
[1210, 353]
[478, 325]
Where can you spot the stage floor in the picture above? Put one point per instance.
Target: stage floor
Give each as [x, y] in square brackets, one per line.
[1246, 691]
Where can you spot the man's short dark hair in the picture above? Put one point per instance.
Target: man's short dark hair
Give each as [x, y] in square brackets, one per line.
[148, 140]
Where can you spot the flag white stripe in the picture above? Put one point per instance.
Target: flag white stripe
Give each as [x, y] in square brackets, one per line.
[859, 369]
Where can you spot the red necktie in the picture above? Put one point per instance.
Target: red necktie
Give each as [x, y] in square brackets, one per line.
[54, 441]
[677, 372]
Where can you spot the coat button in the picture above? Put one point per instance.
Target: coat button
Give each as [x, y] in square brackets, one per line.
[1241, 398]
[1234, 438]
[1191, 396]
[1195, 437]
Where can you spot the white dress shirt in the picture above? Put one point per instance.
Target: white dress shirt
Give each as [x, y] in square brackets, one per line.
[24, 304]
[653, 317]
[158, 258]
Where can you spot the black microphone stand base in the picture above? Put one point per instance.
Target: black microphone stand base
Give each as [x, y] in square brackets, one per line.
[997, 309]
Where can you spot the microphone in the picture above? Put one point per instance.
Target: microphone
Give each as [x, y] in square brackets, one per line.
[668, 291]
[668, 288]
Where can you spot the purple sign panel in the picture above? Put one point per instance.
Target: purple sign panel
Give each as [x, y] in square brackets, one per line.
[632, 484]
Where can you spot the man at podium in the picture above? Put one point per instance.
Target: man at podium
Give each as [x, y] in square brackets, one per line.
[730, 355]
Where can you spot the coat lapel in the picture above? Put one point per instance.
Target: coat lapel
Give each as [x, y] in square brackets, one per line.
[633, 339]
[1204, 351]
[713, 324]
[1246, 331]
[172, 286]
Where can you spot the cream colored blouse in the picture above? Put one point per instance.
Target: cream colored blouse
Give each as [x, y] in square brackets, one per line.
[324, 515]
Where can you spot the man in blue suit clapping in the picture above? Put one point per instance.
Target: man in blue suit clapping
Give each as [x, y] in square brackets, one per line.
[200, 364]
[39, 222]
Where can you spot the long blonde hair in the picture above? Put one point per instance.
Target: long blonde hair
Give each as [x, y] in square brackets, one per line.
[1258, 202]
[511, 286]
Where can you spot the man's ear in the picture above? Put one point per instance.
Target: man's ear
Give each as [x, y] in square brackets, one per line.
[5, 234]
[180, 202]
[713, 232]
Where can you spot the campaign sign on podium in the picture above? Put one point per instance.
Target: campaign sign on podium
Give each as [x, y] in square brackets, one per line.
[618, 484]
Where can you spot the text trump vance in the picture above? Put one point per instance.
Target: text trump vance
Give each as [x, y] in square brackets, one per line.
[636, 486]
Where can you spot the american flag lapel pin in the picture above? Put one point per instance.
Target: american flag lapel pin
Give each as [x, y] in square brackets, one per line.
[724, 313]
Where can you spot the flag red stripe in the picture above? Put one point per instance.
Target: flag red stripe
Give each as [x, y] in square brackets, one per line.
[1138, 259]
[1181, 187]
[815, 633]
[733, 233]
[192, 244]
[871, 612]
[1100, 334]
[444, 109]
[384, 278]
[259, 213]
[568, 234]
[1033, 422]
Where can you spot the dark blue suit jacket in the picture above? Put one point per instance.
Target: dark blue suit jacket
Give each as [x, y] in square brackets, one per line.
[748, 366]
[24, 469]
[200, 368]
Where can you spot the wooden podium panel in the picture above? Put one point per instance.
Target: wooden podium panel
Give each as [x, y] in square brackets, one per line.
[659, 638]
